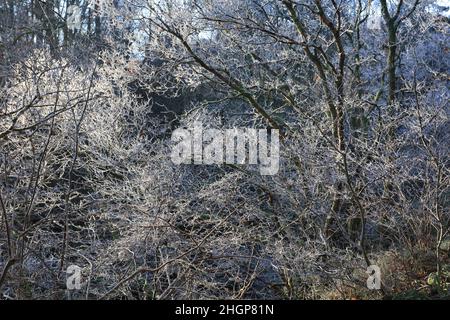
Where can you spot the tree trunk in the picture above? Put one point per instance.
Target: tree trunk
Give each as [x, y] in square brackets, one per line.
[392, 48]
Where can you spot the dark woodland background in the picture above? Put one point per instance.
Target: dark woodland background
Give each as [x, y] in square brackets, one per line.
[91, 90]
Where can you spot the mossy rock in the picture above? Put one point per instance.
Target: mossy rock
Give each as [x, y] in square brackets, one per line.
[445, 245]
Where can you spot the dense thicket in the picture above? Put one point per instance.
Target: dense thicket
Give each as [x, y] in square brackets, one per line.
[91, 90]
